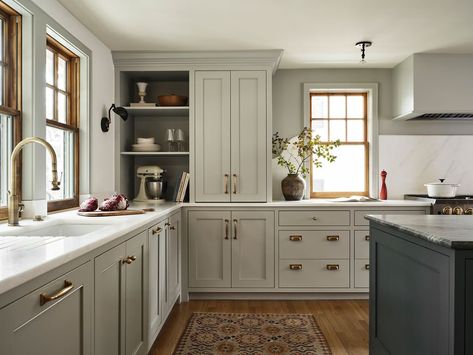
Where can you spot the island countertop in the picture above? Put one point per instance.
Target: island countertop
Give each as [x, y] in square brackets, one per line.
[454, 232]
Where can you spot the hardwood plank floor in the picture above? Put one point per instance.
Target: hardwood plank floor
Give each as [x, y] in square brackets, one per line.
[344, 322]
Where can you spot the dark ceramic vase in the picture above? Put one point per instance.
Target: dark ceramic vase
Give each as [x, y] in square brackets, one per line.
[293, 187]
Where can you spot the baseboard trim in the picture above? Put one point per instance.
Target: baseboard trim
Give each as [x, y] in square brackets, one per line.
[277, 296]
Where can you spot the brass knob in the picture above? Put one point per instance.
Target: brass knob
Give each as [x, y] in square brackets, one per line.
[129, 259]
[172, 228]
[333, 267]
[333, 238]
[314, 218]
[457, 211]
[367, 238]
[367, 266]
[295, 266]
[447, 210]
[295, 238]
[156, 231]
[469, 211]
[167, 224]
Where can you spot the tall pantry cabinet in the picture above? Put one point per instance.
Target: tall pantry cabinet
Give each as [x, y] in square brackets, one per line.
[231, 136]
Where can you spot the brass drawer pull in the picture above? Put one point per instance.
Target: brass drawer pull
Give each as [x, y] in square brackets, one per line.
[234, 183]
[314, 218]
[367, 238]
[227, 225]
[156, 231]
[235, 226]
[367, 266]
[333, 267]
[44, 298]
[225, 183]
[295, 238]
[167, 224]
[129, 259]
[295, 266]
[333, 238]
[173, 228]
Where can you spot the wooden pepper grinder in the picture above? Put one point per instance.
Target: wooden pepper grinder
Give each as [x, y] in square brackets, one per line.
[383, 194]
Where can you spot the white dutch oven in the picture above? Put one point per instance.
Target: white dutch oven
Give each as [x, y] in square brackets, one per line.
[441, 189]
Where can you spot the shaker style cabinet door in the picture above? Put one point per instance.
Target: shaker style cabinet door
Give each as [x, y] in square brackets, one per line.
[249, 140]
[212, 136]
[209, 249]
[36, 323]
[253, 249]
[173, 261]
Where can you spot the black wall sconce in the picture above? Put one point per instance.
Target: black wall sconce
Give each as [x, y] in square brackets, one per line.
[120, 111]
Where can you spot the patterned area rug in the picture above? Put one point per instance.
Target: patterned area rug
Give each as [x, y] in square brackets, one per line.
[252, 334]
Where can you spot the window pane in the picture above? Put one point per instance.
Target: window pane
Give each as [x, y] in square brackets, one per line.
[6, 147]
[1, 38]
[61, 73]
[355, 106]
[62, 142]
[50, 103]
[61, 108]
[320, 127]
[356, 130]
[337, 106]
[337, 130]
[2, 72]
[332, 177]
[319, 106]
[49, 67]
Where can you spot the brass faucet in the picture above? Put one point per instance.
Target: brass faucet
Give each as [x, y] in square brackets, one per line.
[13, 198]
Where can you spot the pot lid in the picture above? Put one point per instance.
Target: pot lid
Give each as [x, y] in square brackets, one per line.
[441, 182]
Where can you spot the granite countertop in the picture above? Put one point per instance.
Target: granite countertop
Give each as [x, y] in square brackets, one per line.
[454, 232]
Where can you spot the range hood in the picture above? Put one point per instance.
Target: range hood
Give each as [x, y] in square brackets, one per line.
[434, 87]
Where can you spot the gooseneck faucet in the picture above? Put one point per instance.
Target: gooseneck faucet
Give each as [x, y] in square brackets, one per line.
[13, 198]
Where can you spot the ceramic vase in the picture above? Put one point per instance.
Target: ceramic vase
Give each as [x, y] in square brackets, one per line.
[293, 187]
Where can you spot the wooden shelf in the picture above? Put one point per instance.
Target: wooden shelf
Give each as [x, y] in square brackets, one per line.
[164, 154]
[158, 111]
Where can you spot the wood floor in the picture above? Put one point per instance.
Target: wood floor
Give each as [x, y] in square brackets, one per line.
[344, 323]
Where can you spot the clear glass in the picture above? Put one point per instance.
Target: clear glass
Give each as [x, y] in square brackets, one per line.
[2, 74]
[355, 106]
[61, 107]
[49, 103]
[337, 130]
[346, 174]
[319, 106]
[320, 127]
[49, 67]
[356, 130]
[6, 147]
[337, 106]
[63, 144]
[61, 74]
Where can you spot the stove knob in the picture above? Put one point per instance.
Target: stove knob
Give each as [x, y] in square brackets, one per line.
[469, 211]
[457, 210]
[447, 210]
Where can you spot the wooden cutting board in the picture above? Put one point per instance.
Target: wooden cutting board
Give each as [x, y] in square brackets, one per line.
[110, 213]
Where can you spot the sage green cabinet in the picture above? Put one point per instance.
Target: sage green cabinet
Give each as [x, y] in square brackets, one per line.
[36, 323]
[172, 261]
[120, 298]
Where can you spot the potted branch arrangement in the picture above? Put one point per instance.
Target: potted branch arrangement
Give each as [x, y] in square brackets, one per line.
[294, 156]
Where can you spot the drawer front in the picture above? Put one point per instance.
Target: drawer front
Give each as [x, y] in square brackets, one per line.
[362, 244]
[360, 215]
[362, 273]
[314, 244]
[314, 273]
[314, 218]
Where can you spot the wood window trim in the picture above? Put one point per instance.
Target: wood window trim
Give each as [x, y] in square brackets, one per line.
[72, 93]
[365, 143]
[12, 82]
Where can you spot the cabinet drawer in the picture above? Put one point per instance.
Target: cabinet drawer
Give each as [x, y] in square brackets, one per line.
[360, 215]
[362, 244]
[362, 273]
[314, 218]
[314, 273]
[314, 244]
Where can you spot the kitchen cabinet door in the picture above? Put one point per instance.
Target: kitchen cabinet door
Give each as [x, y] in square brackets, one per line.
[209, 249]
[172, 261]
[212, 136]
[57, 327]
[253, 249]
[249, 139]
[135, 295]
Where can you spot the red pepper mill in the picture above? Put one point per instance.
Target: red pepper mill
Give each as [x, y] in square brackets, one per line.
[383, 194]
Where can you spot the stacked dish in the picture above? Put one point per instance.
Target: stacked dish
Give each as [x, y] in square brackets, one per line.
[145, 145]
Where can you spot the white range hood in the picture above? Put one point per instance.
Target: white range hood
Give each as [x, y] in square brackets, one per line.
[434, 86]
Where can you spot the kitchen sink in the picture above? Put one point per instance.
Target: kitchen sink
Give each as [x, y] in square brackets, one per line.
[61, 229]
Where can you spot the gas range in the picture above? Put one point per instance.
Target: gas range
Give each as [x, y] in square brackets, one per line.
[459, 205]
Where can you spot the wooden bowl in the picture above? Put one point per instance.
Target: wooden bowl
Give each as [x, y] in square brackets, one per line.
[172, 100]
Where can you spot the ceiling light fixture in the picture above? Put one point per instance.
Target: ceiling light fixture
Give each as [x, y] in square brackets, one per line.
[363, 45]
[120, 111]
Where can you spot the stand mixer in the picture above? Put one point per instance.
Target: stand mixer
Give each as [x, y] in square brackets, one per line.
[151, 184]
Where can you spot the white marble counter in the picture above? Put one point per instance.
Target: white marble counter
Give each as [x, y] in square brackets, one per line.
[454, 232]
[24, 258]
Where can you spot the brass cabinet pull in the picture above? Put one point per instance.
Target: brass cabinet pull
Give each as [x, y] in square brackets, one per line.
[295, 266]
[129, 259]
[235, 226]
[234, 183]
[367, 266]
[333, 238]
[173, 228]
[295, 238]
[156, 231]
[167, 224]
[367, 238]
[225, 183]
[333, 267]
[314, 218]
[44, 298]
[227, 226]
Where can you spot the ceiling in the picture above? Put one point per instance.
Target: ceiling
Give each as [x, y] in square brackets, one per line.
[313, 33]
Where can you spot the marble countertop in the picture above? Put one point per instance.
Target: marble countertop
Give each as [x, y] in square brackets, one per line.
[24, 258]
[454, 232]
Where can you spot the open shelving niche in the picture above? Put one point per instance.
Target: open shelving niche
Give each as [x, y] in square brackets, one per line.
[152, 122]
